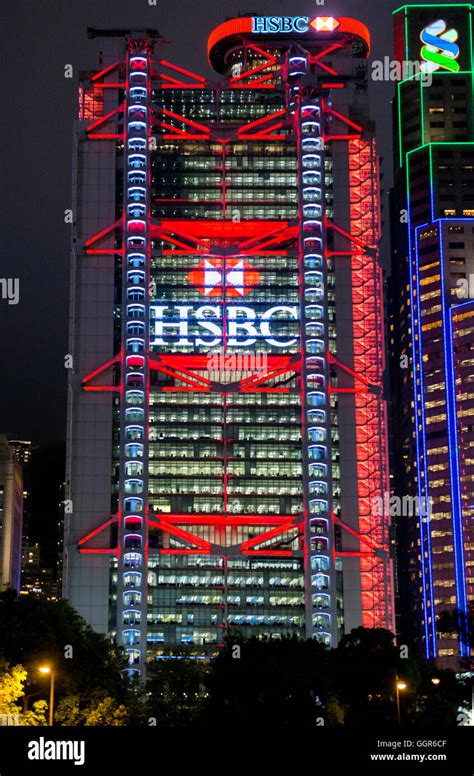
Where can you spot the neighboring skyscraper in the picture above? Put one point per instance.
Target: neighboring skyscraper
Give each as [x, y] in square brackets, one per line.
[11, 517]
[433, 318]
[227, 425]
[24, 449]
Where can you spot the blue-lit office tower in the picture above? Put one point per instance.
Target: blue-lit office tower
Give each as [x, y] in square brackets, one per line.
[432, 324]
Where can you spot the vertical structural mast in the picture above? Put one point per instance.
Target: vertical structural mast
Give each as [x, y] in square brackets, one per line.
[132, 550]
[320, 583]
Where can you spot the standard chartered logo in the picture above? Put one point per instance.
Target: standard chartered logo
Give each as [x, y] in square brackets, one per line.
[440, 50]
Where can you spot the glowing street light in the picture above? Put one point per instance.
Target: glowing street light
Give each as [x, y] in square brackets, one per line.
[48, 670]
[400, 686]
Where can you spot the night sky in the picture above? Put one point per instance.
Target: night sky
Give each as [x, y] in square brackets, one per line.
[39, 105]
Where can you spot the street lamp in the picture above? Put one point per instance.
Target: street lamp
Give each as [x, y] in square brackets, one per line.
[48, 670]
[435, 680]
[400, 686]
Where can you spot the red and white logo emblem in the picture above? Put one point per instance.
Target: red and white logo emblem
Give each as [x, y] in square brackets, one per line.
[208, 277]
[324, 24]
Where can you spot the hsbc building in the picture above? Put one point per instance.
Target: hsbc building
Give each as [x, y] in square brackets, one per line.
[240, 218]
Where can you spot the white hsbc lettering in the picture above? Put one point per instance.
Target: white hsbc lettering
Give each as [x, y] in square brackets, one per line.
[203, 327]
[266, 24]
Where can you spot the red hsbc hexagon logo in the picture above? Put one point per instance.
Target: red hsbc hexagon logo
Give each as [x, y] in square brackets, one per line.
[324, 24]
[240, 277]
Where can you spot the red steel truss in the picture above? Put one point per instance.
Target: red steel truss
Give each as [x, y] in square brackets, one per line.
[368, 367]
[371, 423]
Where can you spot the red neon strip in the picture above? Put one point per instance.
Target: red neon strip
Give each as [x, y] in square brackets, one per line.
[262, 53]
[257, 82]
[331, 225]
[261, 120]
[174, 81]
[329, 138]
[271, 60]
[110, 86]
[253, 86]
[193, 382]
[341, 253]
[180, 85]
[347, 390]
[170, 362]
[106, 137]
[187, 235]
[103, 233]
[223, 520]
[102, 368]
[104, 118]
[181, 134]
[271, 553]
[250, 543]
[278, 236]
[333, 360]
[184, 389]
[203, 381]
[355, 533]
[253, 230]
[163, 525]
[326, 51]
[267, 390]
[191, 123]
[247, 73]
[167, 238]
[98, 530]
[342, 118]
[262, 136]
[251, 382]
[105, 252]
[98, 552]
[178, 551]
[327, 69]
[106, 70]
[101, 388]
[182, 70]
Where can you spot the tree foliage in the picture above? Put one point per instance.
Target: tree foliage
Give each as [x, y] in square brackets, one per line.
[12, 682]
[100, 710]
[34, 630]
[281, 683]
[176, 691]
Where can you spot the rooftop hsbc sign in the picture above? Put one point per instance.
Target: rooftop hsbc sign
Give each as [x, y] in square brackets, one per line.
[298, 24]
[280, 24]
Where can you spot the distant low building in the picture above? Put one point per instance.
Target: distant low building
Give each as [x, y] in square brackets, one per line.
[36, 580]
[30, 557]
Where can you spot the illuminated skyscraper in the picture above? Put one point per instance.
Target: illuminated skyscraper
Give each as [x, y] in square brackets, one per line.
[227, 425]
[11, 517]
[433, 319]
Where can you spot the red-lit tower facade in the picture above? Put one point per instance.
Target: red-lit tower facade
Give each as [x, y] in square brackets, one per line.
[227, 425]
